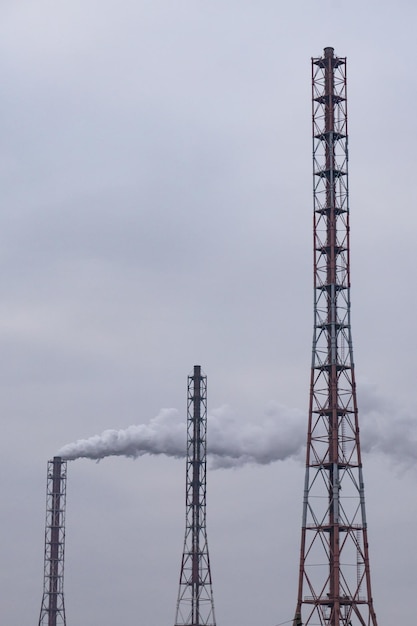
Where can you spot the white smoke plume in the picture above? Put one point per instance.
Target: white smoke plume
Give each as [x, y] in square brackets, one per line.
[165, 434]
[278, 435]
[388, 428]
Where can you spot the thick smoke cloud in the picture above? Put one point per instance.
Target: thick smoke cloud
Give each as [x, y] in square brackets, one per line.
[278, 435]
[388, 429]
[164, 434]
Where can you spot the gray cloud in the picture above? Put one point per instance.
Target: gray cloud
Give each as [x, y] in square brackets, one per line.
[156, 213]
[388, 428]
[231, 443]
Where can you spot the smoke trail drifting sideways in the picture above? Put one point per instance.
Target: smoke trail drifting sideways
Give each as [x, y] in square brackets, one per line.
[230, 443]
[278, 435]
[388, 428]
[165, 434]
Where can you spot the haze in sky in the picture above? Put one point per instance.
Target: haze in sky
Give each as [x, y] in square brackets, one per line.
[155, 168]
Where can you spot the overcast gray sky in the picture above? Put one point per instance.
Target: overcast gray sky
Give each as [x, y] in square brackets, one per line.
[155, 176]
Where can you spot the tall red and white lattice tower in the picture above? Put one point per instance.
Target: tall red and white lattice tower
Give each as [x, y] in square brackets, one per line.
[195, 605]
[53, 609]
[334, 578]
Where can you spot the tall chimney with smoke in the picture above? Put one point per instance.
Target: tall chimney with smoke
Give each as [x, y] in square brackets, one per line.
[52, 609]
[195, 605]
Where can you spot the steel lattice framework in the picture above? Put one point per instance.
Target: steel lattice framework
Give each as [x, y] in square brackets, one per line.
[195, 605]
[334, 580]
[52, 609]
